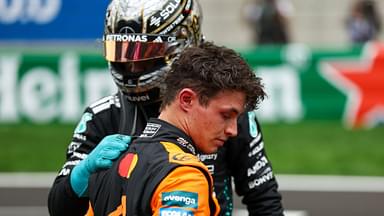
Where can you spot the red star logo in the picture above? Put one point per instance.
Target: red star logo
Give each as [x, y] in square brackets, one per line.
[362, 81]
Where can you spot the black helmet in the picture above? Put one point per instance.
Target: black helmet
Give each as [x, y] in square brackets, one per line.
[150, 33]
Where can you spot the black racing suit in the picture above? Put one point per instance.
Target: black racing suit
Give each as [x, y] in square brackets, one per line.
[242, 158]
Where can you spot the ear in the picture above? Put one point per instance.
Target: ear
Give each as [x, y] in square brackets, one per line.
[187, 99]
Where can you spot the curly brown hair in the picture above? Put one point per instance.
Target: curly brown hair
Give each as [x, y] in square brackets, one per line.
[209, 69]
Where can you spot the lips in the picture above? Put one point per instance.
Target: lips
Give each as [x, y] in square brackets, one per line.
[220, 142]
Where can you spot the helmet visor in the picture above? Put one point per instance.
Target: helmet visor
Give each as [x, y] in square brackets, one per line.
[135, 47]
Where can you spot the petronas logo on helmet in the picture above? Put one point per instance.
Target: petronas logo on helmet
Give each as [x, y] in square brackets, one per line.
[127, 37]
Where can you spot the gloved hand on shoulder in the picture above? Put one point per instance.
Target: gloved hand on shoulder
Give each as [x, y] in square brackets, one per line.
[109, 148]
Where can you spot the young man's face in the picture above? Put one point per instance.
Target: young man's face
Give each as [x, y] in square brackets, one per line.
[210, 126]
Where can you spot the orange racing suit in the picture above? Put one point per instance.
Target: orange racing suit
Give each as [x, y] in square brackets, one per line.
[160, 174]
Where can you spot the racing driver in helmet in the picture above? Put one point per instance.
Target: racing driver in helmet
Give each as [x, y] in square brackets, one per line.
[141, 40]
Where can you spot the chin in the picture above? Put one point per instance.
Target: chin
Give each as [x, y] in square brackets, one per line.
[211, 151]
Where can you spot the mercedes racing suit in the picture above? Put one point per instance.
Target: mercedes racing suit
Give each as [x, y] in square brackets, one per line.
[158, 175]
[242, 158]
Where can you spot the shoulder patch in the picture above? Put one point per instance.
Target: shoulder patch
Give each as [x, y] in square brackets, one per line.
[150, 130]
[176, 155]
[253, 131]
[182, 157]
[182, 199]
[127, 164]
[82, 125]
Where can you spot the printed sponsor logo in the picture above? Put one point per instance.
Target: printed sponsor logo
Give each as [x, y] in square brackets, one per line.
[26, 11]
[150, 130]
[174, 11]
[255, 141]
[80, 137]
[154, 21]
[182, 141]
[186, 144]
[138, 98]
[169, 8]
[180, 198]
[127, 30]
[183, 157]
[72, 163]
[158, 40]
[64, 172]
[126, 37]
[257, 148]
[175, 212]
[73, 146]
[211, 168]
[259, 181]
[80, 155]
[133, 37]
[177, 21]
[257, 166]
[204, 157]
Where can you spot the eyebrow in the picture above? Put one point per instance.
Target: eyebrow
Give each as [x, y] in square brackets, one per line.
[234, 110]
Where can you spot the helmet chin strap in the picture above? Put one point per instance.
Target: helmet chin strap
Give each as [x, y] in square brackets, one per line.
[128, 122]
[131, 112]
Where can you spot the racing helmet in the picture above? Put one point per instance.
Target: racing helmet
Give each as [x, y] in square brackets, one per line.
[148, 35]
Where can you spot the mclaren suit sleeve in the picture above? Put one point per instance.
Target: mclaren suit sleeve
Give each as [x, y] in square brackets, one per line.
[252, 170]
[184, 191]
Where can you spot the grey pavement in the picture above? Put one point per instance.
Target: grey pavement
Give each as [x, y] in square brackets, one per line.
[26, 194]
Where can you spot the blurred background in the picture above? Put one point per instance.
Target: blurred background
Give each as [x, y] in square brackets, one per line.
[322, 63]
[314, 23]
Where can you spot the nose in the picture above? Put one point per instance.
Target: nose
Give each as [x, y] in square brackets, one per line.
[231, 128]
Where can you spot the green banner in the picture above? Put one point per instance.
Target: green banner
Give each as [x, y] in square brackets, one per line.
[303, 83]
[346, 84]
[45, 87]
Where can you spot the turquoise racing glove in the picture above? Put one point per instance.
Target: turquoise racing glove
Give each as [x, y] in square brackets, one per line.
[109, 148]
